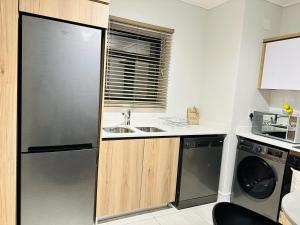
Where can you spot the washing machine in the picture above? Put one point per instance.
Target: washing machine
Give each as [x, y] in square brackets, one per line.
[258, 177]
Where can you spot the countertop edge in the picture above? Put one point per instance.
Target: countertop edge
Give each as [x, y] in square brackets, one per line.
[169, 132]
[270, 141]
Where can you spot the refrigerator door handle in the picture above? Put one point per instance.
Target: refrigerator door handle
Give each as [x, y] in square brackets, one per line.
[58, 148]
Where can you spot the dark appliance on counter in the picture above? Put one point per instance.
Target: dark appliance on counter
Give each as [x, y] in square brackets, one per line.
[59, 116]
[258, 177]
[198, 170]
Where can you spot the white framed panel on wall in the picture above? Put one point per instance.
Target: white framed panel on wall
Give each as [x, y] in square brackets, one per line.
[281, 68]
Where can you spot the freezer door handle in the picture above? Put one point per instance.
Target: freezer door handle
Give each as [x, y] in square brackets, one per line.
[59, 148]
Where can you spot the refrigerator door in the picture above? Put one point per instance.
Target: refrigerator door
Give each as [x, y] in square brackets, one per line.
[60, 83]
[58, 188]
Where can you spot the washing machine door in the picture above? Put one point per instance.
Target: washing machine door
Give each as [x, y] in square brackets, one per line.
[256, 177]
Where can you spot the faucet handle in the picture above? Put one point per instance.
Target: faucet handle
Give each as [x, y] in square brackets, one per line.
[126, 112]
[129, 112]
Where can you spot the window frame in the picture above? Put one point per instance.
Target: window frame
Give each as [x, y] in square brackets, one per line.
[159, 105]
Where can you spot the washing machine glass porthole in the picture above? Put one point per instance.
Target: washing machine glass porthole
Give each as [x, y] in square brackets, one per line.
[256, 177]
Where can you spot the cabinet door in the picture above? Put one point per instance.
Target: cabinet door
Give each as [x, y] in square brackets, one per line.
[8, 110]
[119, 177]
[283, 219]
[159, 171]
[280, 65]
[81, 11]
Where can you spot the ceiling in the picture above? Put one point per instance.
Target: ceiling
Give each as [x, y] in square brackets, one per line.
[208, 4]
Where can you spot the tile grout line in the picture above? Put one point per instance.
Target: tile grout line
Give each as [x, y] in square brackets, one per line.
[157, 220]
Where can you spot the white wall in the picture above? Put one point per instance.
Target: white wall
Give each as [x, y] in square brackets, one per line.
[215, 60]
[232, 55]
[222, 48]
[261, 19]
[222, 52]
[186, 65]
[290, 23]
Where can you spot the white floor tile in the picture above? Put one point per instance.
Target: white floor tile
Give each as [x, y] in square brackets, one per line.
[205, 212]
[165, 211]
[186, 217]
[129, 219]
[199, 215]
[145, 222]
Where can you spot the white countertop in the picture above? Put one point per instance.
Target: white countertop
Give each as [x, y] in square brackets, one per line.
[271, 141]
[169, 131]
[290, 206]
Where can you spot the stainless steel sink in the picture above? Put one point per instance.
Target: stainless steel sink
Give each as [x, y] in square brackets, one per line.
[118, 130]
[150, 129]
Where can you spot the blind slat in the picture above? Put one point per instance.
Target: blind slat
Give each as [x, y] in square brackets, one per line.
[133, 56]
[134, 66]
[126, 43]
[146, 89]
[127, 85]
[116, 72]
[137, 92]
[137, 67]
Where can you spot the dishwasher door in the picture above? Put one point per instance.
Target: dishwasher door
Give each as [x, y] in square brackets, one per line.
[58, 188]
[200, 170]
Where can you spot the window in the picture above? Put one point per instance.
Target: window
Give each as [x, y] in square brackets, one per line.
[137, 65]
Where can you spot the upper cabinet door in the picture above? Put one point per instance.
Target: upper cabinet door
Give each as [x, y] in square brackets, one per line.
[280, 67]
[89, 12]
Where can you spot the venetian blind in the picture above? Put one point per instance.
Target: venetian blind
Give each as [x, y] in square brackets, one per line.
[137, 65]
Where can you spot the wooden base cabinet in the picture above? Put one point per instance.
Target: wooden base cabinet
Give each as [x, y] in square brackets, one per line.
[283, 219]
[136, 174]
[159, 171]
[120, 173]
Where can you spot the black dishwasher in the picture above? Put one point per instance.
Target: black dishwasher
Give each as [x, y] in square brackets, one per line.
[198, 170]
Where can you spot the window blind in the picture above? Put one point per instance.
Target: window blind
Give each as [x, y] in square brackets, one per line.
[137, 70]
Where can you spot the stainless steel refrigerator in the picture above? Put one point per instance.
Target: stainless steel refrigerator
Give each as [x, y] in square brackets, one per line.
[59, 119]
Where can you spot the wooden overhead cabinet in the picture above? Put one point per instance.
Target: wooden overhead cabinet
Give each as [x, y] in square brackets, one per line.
[8, 110]
[136, 174]
[89, 12]
[280, 66]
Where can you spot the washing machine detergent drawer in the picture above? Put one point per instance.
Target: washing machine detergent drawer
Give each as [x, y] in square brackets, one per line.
[257, 184]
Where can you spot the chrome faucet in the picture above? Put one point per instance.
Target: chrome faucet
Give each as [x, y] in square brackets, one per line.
[127, 115]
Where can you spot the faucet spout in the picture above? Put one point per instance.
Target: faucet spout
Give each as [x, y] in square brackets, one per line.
[127, 116]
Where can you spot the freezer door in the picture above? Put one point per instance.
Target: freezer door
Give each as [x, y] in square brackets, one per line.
[60, 82]
[58, 188]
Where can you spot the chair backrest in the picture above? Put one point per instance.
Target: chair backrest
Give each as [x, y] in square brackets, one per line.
[225, 213]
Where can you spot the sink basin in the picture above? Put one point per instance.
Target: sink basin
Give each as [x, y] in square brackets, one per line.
[150, 129]
[118, 130]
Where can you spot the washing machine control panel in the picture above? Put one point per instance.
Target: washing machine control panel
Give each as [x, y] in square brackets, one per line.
[262, 150]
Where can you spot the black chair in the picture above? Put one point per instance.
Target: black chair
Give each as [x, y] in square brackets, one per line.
[225, 213]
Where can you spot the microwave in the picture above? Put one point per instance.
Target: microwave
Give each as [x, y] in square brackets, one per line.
[279, 126]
